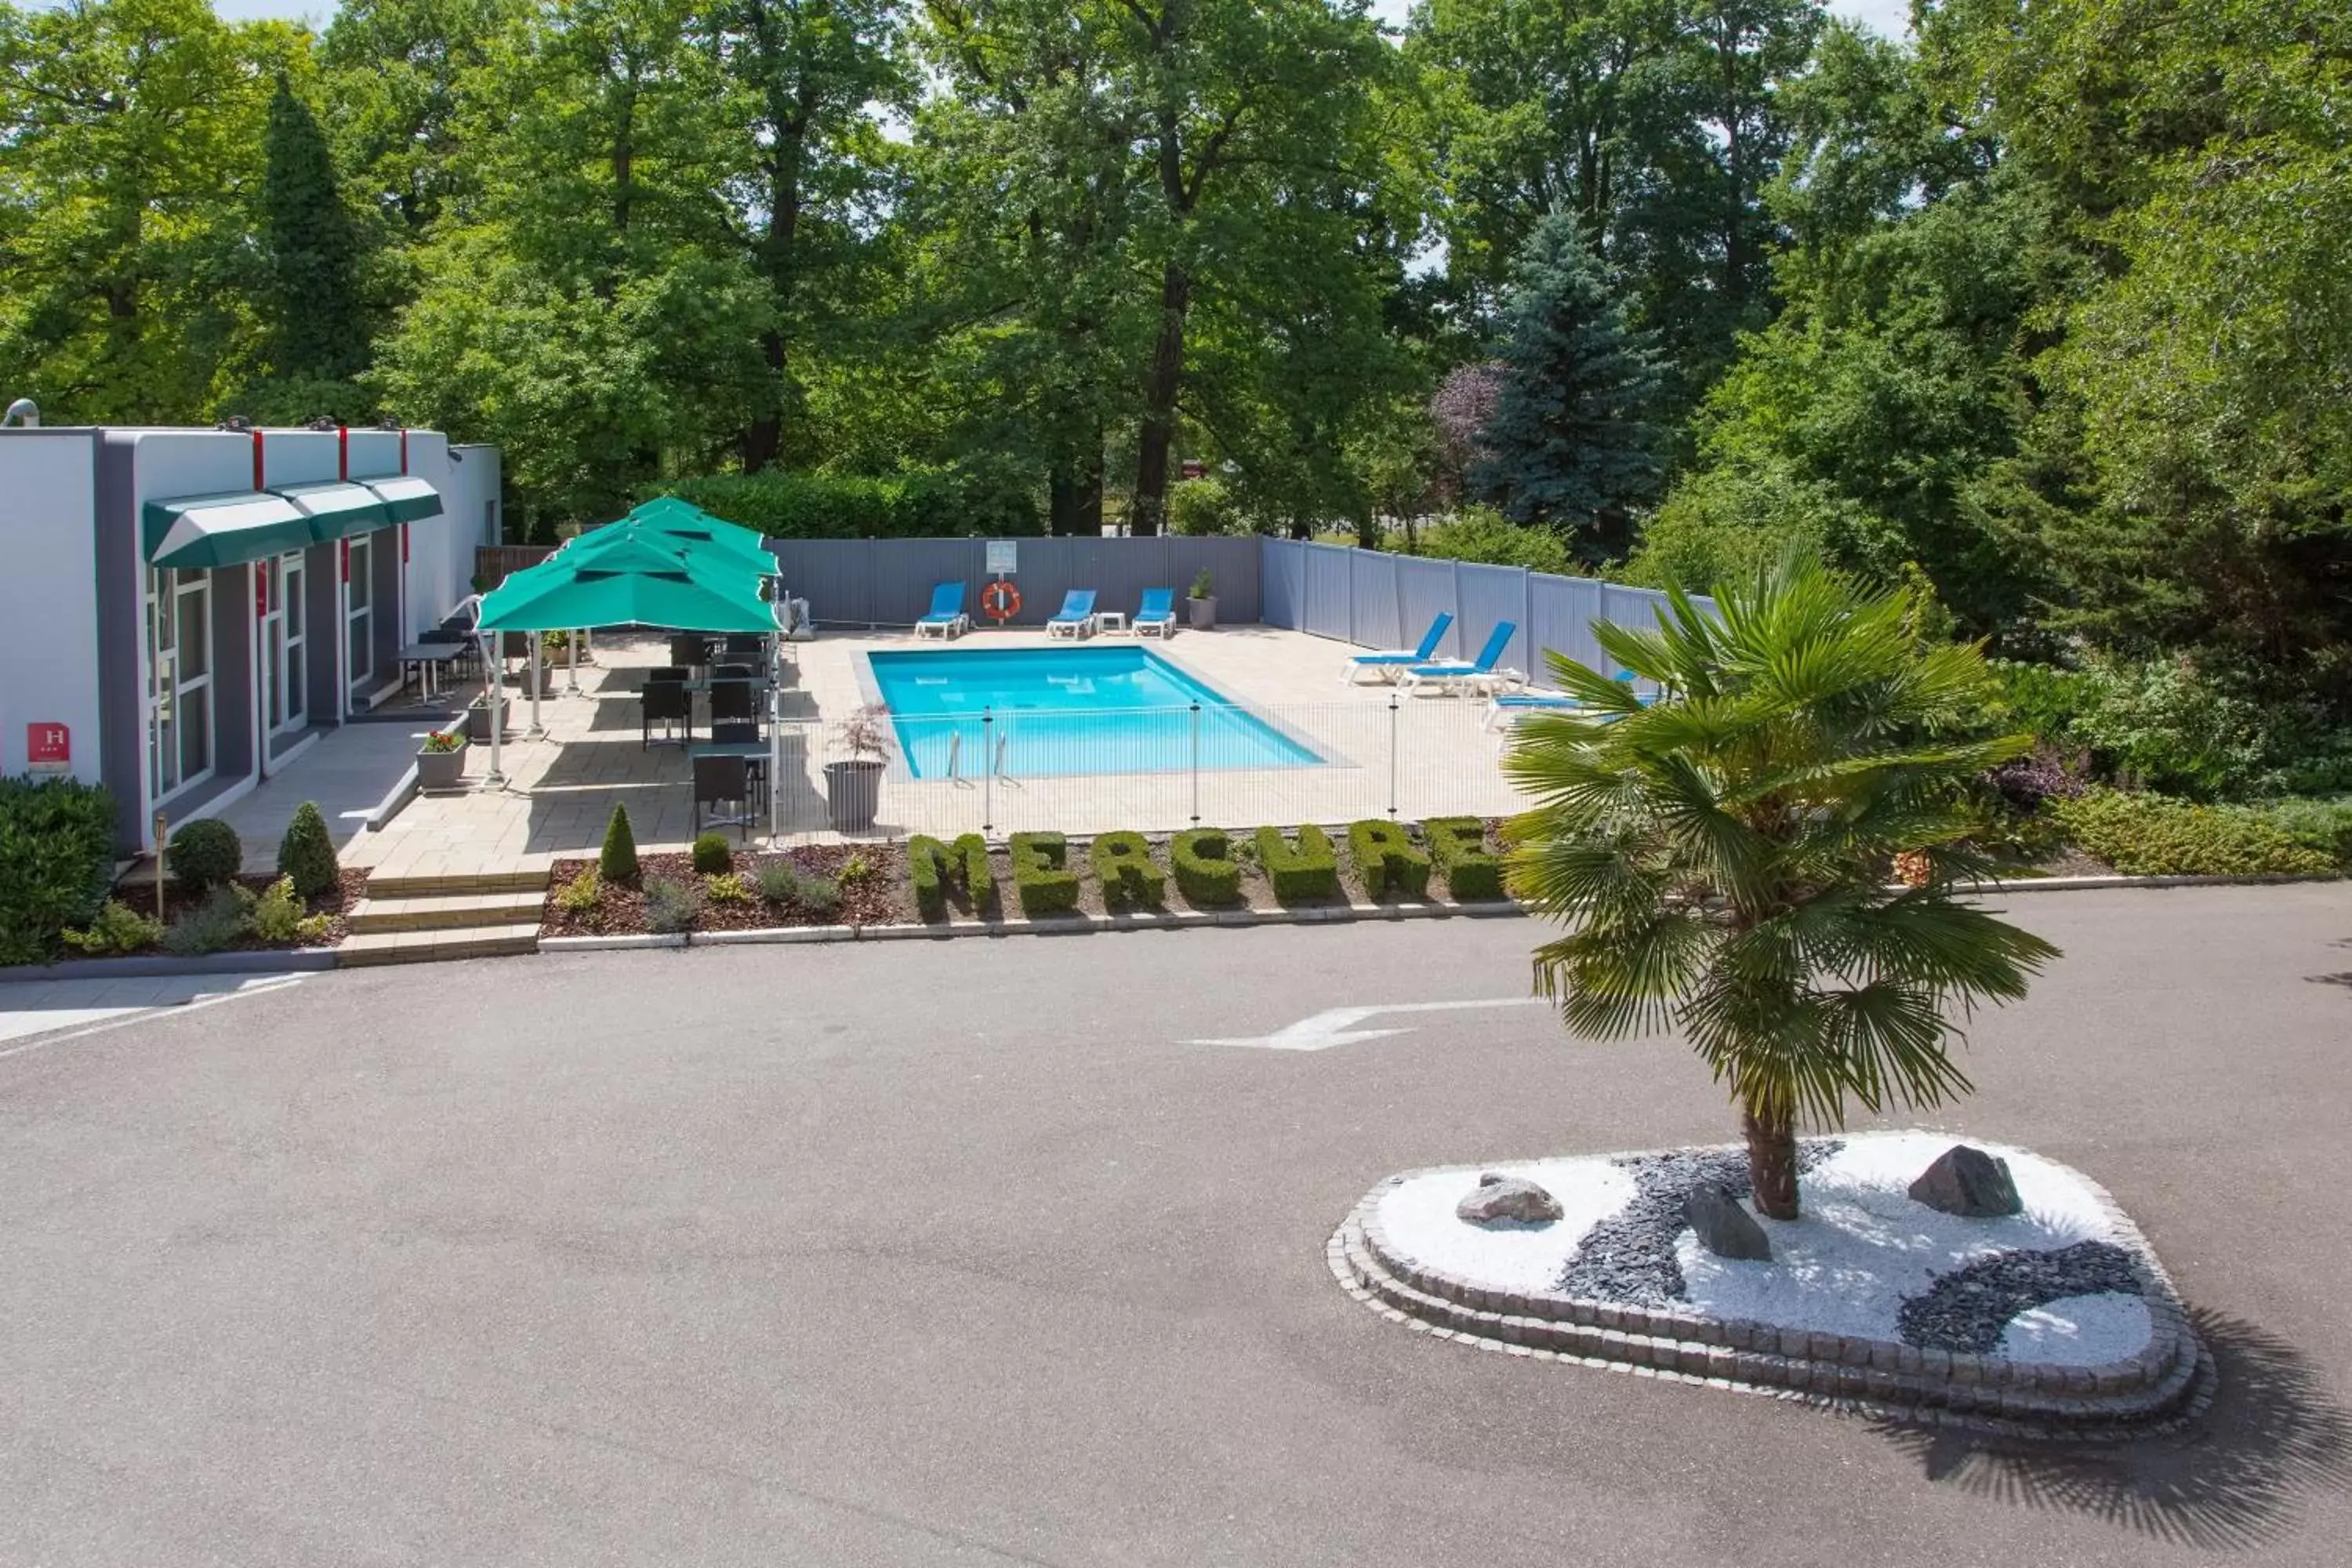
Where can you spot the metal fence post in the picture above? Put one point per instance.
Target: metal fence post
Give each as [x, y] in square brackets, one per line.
[1392, 753]
[1196, 764]
[987, 770]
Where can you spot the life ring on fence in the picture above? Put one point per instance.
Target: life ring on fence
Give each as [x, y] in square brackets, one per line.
[1000, 600]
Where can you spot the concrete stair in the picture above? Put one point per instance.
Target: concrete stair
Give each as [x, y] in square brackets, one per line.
[412, 919]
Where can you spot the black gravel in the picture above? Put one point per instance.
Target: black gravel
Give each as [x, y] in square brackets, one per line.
[1630, 1256]
[1967, 1310]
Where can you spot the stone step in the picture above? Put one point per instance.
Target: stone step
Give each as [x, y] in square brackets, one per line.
[380, 887]
[428, 946]
[446, 912]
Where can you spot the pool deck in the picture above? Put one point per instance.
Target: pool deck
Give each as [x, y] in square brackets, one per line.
[1424, 756]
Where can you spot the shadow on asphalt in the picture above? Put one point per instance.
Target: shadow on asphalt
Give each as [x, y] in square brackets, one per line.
[2231, 1481]
[2343, 979]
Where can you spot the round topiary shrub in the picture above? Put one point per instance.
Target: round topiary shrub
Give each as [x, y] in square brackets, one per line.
[307, 853]
[711, 856]
[204, 854]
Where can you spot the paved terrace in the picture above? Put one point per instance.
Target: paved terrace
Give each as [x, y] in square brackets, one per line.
[1429, 757]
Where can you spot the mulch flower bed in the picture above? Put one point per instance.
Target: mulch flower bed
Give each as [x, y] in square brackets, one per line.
[336, 903]
[877, 896]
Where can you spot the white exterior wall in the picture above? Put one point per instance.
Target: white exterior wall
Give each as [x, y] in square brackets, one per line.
[48, 594]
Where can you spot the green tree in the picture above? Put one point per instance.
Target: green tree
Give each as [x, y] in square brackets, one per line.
[1721, 857]
[1571, 444]
[309, 301]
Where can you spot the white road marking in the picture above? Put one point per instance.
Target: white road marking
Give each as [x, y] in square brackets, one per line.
[253, 986]
[1335, 1026]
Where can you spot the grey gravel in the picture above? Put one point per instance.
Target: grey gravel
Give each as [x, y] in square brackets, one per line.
[1968, 1310]
[1629, 1256]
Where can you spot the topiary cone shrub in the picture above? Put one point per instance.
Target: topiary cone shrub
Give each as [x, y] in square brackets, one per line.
[618, 862]
[307, 853]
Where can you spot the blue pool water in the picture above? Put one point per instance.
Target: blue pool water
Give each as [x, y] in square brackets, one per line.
[1062, 711]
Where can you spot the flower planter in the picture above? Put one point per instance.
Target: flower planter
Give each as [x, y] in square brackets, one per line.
[1204, 613]
[441, 769]
[852, 794]
[478, 724]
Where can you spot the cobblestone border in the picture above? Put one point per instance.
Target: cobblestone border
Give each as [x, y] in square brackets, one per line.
[2168, 1383]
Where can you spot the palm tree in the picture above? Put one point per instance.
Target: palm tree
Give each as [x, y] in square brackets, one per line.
[1721, 855]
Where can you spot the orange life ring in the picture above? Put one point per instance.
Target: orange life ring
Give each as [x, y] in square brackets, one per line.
[1000, 600]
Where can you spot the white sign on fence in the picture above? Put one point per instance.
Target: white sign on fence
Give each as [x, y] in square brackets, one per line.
[1004, 557]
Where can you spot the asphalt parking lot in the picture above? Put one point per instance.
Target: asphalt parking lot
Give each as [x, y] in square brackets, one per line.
[965, 1253]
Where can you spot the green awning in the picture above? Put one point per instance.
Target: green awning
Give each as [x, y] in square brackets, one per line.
[406, 498]
[192, 533]
[559, 594]
[337, 509]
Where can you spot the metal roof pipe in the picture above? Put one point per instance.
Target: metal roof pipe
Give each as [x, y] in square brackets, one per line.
[25, 412]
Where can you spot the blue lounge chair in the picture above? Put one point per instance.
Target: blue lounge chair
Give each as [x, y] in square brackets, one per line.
[1452, 676]
[1076, 619]
[1516, 705]
[1390, 662]
[1157, 614]
[946, 617]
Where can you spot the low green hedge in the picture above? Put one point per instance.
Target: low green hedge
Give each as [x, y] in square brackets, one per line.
[1386, 859]
[1042, 879]
[2144, 834]
[56, 850]
[1458, 846]
[1206, 872]
[1307, 871]
[1128, 875]
[936, 869]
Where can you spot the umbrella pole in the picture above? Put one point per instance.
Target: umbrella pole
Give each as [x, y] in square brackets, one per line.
[776, 758]
[536, 639]
[495, 682]
[571, 671]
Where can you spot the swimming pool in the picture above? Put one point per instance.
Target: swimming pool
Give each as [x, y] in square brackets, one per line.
[1054, 712]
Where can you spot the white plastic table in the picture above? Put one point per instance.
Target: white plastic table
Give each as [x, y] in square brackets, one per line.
[1105, 619]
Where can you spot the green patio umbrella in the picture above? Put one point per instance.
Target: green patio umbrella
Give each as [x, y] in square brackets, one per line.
[672, 515]
[625, 588]
[703, 557]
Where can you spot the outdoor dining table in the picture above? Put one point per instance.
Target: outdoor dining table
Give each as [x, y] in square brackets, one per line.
[427, 658]
[749, 750]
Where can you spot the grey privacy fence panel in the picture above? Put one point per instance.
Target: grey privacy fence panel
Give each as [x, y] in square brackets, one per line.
[888, 581]
[1379, 600]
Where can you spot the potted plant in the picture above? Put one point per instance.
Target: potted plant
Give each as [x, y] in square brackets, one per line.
[1203, 602]
[853, 785]
[441, 761]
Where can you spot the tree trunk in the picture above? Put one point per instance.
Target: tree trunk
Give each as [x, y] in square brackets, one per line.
[1075, 506]
[1158, 437]
[1772, 1163]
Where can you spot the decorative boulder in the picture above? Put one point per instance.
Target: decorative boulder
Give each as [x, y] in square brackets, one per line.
[1968, 1183]
[1724, 1228]
[1498, 1198]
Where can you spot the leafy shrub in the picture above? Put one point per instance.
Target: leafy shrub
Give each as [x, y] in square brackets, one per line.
[441, 741]
[204, 853]
[2145, 834]
[1484, 535]
[671, 907]
[978, 501]
[1205, 506]
[777, 881]
[2025, 782]
[1128, 875]
[56, 845]
[1457, 845]
[307, 853]
[1206, 872]
[117, 927]
[1386, 859]
[2325, 825]
[728, 887]
[212, 926]
[1307, 871]
[276, 915]
[1042, 879]
[582, 895]
[855, 871]
[818, 897]
[711, 856]
[617, 860]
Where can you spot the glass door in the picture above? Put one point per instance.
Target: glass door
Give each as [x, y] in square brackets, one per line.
[290, 647]
[179, 681]
[359, 646]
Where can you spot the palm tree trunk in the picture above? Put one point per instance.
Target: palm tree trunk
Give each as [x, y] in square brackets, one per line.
[1772, 1163]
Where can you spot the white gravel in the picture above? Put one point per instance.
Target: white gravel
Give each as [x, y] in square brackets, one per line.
[1418, 1217]
[1844, 1268]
